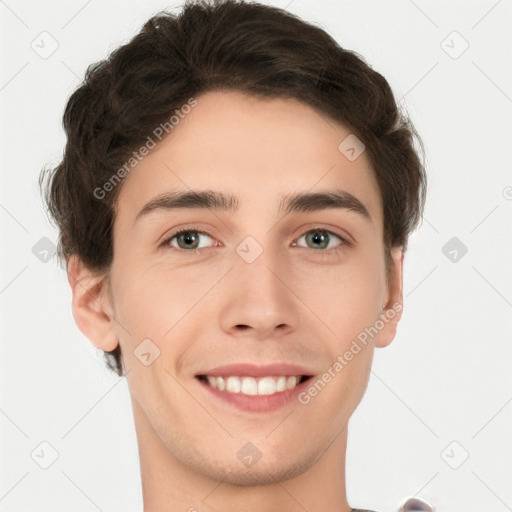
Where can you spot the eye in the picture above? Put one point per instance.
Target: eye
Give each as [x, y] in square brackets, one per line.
[186, 239]
[320, 238]
[189, 240]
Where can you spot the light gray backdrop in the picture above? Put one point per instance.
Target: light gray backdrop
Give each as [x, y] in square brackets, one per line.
[437, 416]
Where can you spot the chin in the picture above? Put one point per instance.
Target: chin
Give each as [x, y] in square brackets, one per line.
[263, 472]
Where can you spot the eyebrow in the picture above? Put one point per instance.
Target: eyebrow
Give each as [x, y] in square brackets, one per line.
[291, 203]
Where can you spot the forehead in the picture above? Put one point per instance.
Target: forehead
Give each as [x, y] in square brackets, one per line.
[259, 149]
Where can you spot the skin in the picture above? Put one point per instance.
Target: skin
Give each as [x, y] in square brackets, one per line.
[192, 305]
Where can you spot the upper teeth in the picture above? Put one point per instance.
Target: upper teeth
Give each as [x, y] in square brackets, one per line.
[253, 386]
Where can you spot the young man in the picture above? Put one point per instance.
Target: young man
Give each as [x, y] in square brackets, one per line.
[234, 204]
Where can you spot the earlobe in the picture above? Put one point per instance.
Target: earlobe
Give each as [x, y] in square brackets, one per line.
[90, 306]
[392, 310]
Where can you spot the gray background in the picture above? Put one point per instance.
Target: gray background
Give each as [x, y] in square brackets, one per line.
[437, 416]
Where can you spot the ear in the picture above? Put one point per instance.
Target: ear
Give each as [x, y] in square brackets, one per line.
[393, 302]
[91, 305]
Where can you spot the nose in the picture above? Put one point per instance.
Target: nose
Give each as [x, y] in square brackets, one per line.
[259, 299]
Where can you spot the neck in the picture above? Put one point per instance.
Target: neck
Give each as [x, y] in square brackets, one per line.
[168, 485]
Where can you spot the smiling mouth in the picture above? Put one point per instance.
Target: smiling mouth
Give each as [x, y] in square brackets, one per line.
[252, 386]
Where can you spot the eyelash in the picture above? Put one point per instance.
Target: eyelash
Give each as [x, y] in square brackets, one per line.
[324, 252]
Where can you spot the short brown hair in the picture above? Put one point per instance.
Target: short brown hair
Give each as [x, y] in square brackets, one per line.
[220, 44]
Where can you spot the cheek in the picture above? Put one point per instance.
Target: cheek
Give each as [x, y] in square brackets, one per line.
[348, 297]
[158, 301]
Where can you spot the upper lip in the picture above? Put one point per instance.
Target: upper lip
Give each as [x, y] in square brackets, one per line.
[252, 370]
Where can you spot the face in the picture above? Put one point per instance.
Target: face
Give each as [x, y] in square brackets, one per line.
[261, 286]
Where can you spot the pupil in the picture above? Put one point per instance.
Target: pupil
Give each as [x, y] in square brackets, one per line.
[188, 237]
[318, 239]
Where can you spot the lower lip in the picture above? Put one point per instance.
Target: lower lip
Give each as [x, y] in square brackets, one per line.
[257, 403]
